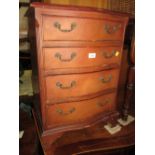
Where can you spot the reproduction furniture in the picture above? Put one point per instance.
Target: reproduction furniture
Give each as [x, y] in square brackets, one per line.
[76, 62]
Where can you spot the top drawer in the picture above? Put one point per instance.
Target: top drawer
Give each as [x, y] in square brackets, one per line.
[78, 29]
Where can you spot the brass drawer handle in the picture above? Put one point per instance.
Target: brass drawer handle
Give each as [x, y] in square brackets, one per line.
[111, 29]
[61, 112]
[103, 80]
[108, 55]
[59, 56]
[101, 104]
[60, 85]
[58, 26]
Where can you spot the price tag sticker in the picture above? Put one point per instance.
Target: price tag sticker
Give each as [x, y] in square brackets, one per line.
[91, 55]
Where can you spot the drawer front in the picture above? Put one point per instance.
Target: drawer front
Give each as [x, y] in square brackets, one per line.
[68, 28]
[60, 58]
[77, 112]
[61, 88]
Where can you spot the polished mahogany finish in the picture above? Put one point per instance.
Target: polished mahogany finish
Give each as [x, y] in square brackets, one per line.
[74, 86]
[76, 67]
[69, 28]
[80, 111]
[59, 58]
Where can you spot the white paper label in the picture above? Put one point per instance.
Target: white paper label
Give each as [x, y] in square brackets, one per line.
[92, 55]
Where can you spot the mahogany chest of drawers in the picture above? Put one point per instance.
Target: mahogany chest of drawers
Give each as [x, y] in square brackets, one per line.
[76, 63]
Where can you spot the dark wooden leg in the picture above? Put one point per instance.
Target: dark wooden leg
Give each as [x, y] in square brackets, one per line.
[129, 92]
[113, 120]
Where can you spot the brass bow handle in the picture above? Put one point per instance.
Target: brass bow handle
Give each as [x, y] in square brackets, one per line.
[61, 112]
[58, 26]
[106, 80]
[59, 56]
[108, 55]
[101, 104]
[112, 29]
[60, 85]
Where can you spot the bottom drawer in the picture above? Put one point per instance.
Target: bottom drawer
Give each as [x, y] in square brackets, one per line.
[78, 112]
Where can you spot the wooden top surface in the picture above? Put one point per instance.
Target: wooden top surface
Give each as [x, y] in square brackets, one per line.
[77, 8]
[95, 138]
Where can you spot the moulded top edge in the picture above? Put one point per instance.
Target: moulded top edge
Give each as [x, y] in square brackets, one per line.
[77, 8]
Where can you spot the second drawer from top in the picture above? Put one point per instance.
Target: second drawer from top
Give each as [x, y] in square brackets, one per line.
[71, 58]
